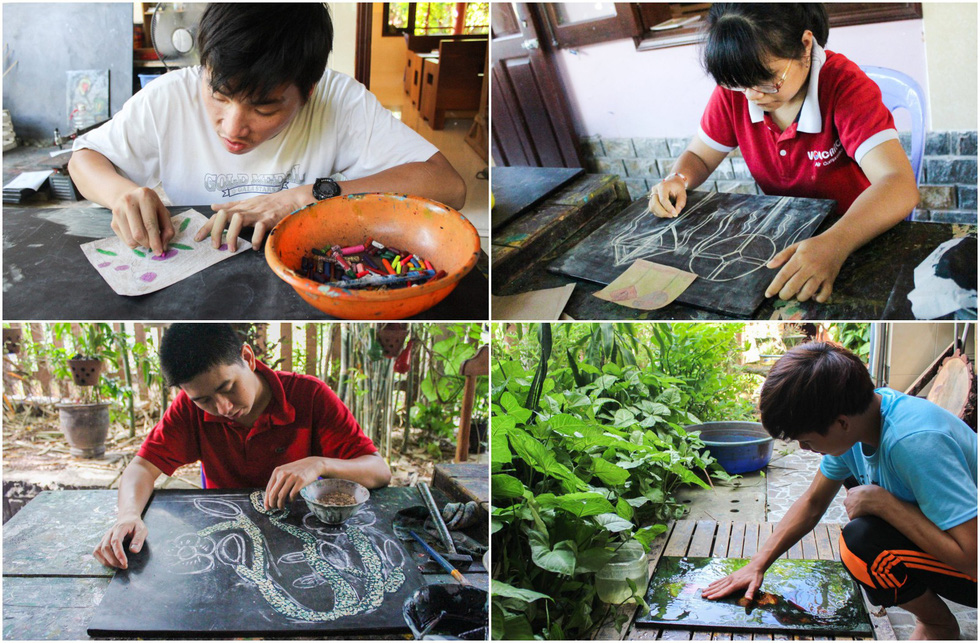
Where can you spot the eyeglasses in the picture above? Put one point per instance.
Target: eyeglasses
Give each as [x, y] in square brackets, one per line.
[767, 88]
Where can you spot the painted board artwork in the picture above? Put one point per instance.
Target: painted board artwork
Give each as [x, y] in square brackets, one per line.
[217, 564]
[811, 596]
[137, 271]
[515, 189]
[725, 239]
[88, 97]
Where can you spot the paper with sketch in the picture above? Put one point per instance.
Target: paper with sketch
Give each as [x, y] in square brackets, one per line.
[138, 271]
[647, 286]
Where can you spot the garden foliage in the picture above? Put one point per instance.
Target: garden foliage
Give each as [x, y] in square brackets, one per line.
[586, 456]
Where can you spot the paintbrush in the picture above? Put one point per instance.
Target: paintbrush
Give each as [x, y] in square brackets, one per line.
[445, 564]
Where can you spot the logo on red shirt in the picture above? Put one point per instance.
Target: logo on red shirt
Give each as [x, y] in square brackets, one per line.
[826, 157]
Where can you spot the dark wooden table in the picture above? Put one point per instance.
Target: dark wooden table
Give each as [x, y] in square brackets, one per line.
[728, 540]
[46, 276]
[873, 283]
[52, 584]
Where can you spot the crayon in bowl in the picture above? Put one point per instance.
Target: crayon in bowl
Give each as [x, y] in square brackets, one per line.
[370, 265]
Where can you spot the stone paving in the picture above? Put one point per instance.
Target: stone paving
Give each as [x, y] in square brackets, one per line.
[788, 476]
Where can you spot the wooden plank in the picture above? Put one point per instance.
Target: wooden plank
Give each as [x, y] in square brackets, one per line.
[311, 360]
[704, 535]
[765, 533]
[286, 347]
[700, 635]
[675, 635]
[751, 543]
[722, 535]
[809, 543]
[680, 539]
[796, 551]
[833, 531]
[736, 539]
[721, 636]
[824, 550]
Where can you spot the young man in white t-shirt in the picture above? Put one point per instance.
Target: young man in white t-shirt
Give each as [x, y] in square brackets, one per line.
[259, 130]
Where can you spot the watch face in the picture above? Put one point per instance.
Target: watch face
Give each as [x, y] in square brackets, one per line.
[325, 189]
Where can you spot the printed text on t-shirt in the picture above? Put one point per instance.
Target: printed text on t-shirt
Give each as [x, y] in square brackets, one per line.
[239, 183]
[825, 157]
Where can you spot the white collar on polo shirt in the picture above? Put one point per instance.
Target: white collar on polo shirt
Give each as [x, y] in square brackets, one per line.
[810, 120]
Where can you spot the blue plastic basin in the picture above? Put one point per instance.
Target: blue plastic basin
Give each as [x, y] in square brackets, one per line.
[739, 447]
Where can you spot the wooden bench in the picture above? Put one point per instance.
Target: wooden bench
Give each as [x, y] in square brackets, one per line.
[729, 540]
[453, 80]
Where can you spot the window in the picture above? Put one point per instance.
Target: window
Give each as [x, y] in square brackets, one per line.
[436, 18]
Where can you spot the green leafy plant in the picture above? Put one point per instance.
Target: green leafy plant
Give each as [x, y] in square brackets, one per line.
[854, 337]
[586, 456]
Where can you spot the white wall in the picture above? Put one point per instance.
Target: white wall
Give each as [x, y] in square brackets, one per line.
[951, 45]
[344, 15]
[915, 345]
[616, 91]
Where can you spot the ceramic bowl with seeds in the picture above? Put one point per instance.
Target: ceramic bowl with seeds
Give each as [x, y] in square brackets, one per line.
[333, 501]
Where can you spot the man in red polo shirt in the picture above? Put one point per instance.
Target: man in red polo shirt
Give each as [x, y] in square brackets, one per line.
[248, 425]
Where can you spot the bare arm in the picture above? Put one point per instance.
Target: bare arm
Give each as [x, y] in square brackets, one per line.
[434, 179]
[139, 217]
[696, 163]
[801, 518]
[957, 546]
[810, 267]
[286, 481]
[135, 489]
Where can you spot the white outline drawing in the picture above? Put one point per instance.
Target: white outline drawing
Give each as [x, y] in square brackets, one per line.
[730, 252]
[375, 570]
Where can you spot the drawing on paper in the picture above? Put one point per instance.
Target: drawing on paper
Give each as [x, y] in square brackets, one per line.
[137, 271]
[358, 583]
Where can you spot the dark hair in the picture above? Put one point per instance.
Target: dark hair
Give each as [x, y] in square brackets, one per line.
[811, 386]
[742, 38]
[187, 350]
[250, 49]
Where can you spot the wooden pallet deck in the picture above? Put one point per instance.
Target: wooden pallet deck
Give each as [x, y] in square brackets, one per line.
[731, 540]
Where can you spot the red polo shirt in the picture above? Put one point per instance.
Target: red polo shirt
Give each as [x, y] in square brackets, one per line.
[818, 156]
[304, 418]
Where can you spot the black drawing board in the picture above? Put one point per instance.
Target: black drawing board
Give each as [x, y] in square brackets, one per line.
[515, 189]
[46, 276]
[725, 239]
[214, 566]
[806, 596]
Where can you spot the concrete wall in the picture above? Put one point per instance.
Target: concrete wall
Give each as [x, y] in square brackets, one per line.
[46, 41]
[914, 346]
[667, 89]
[951, 45]
[344, 15]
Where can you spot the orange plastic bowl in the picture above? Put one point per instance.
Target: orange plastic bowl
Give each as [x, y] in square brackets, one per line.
[414, 224]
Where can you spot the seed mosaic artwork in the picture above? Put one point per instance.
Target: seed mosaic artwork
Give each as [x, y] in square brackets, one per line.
[221, 564]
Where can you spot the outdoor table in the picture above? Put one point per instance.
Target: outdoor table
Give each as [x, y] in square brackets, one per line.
[724, 539]
[873, 283]
[52, 585]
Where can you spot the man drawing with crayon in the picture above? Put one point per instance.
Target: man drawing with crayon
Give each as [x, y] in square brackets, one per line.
[259, 130]
[248, 425]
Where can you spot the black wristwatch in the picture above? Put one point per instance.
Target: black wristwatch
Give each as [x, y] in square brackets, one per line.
[325, 189]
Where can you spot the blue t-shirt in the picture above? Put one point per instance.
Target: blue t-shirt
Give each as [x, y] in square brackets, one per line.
[926, 456]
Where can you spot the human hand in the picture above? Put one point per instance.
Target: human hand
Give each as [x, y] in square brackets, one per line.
[261, 213]
[809, 269]
[748, 578]
[865, 500]
[139, 218]
[110, 551]
[287, 480]
[671, 188]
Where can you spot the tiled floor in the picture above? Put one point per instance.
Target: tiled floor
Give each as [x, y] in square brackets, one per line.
[451, 142]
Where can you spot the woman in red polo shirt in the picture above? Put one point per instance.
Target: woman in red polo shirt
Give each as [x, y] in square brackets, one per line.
[809, 123]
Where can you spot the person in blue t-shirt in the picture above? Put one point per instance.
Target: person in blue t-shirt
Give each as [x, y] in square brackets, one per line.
[910, 468]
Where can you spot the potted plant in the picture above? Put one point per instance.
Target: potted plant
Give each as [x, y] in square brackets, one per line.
[85, 420]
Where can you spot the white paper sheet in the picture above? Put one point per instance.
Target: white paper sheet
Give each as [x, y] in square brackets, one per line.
[29, 180]
[138, 272]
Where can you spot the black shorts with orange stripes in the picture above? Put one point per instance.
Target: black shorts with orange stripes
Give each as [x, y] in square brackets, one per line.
[893, 570]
